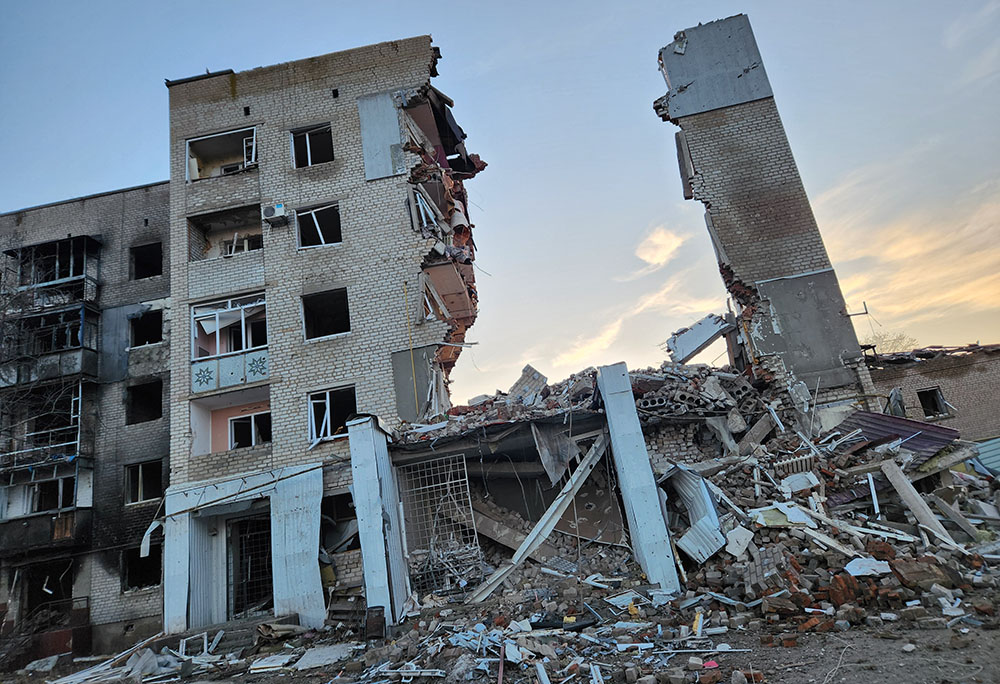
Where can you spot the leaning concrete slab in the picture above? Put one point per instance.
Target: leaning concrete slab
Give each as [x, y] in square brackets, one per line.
[648, 529]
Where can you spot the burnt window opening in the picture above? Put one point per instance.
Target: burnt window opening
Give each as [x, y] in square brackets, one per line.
[147, 328]
[147, 261]
[242, 243]
[320, 226]
[139, 572]
[221, 154]
[225, 233]
[245, 431]
[143, 481]
[329, 412]
[326, 313]
[932, 402]
[61, 260]
[312, 146]
[144, 402]
[53, 495]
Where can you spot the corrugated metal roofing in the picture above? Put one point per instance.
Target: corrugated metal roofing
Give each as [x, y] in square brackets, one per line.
[929, 438]
[989, 453]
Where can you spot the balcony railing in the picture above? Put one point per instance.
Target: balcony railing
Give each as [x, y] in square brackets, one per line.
[229, 370]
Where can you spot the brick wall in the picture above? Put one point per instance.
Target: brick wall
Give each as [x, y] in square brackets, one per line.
[348, 567]
[678, 442]
[119, 220]
[971, 382]
[746, 174]
[378, 260]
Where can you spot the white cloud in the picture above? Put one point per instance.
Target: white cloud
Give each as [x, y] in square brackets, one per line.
[657, 249]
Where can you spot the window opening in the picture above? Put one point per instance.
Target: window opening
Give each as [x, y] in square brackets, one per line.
[147, 328]
[144, 402]
[932, 402]
[228, 326]
[143, 481]
[225, 233]
[147, 261]
[329, 412]
[326, 313]
[312, 146]
[242, 243]
[221, 153]
[249, 430]
[139, 572]
[249, 565]
[320, 226]
[53, 495]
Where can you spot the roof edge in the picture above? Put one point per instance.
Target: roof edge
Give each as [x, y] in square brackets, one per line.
[84, 197]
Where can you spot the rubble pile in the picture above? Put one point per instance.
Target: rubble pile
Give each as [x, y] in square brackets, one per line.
[778, 530]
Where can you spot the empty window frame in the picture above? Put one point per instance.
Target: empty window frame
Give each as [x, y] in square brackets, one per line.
[242, 243]
[53, 495]
[56, 261]
[319, 226]
[932, 402]
[329, 411]
[139, 572]
[144, 402]
[221, 154]
[143, 482]
[245, 431]
[147, 328]
[228, 326]
[312, 146]
[147, 261]
[326, 313]
[53, 331]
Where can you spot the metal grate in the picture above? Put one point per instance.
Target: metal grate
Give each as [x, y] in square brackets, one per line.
[443, 550]
[250, 579]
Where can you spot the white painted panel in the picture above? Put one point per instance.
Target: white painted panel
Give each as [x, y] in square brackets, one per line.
[364, 441]
[648, 530]
[295, 516]
[380, 141]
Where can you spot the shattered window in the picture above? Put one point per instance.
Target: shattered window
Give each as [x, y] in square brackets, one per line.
[144, 402]
[249, 430]
[228, 326]
[312, 146]
[932, 402]
[329, 412]
[143, 481]
[320, 226]
[139, 572]
[147, 328]
[326, 313]
[147, 261]
[221, 154]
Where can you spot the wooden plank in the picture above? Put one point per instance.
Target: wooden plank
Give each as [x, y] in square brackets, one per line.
[956, 517]
[912, 499]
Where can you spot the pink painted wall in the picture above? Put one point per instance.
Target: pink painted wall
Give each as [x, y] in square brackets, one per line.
[220, 422]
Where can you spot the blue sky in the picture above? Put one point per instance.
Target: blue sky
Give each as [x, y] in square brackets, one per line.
[588, 253]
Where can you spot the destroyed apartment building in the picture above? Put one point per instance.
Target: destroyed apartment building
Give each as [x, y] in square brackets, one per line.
[146, 486]
[614, 519]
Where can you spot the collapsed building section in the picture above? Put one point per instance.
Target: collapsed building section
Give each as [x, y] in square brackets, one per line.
[791, 320]
[439, 210]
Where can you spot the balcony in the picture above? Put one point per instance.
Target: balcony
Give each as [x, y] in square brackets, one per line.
[229, 343]
[45, 346]
[45, 530]
[56, 273]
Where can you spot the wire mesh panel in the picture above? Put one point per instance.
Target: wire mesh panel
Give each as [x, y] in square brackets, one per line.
[250, 579]
[442, 548]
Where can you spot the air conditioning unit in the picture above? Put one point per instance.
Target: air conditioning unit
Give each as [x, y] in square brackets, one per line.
[274, 214]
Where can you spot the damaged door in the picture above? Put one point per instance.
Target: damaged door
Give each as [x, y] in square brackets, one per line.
[249, 567]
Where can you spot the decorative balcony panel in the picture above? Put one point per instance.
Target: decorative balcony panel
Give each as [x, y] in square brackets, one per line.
[230, 370]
